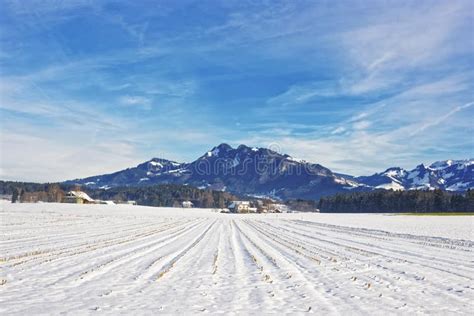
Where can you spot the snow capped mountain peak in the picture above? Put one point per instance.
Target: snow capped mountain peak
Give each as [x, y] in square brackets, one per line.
[158, 166]
[214, 152]
[218, 151]
[451, 175]
[395, 172]
[443, 164]
[421, 167]
[224, 147]
[159, 163]
[242, 152]
[254, 170]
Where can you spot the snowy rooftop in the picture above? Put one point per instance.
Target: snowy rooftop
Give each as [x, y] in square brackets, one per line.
[81, 195]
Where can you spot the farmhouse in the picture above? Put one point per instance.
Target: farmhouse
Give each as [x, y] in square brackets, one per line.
[187, 204]
[241, 207]
[77, 197]
[277, 208]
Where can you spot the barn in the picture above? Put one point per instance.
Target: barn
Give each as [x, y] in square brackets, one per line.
[78, 197]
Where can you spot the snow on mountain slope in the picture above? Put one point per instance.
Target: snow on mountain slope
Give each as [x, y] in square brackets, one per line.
[452, 175]
[143, 174]
[263, 172]
[241, 170]
[391, 186]
[455, 175]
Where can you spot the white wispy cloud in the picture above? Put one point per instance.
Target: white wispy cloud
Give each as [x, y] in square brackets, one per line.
[361, 125]
[303, 93]
[136, 100]
[355, 88]
[339, 130]
[434, 122]
[403, 39]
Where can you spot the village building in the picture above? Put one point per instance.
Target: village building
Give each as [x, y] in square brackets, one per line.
[240, 207]
[262, 209]
[78, 197]
[252, 210]
[187, 204]
[277, 208]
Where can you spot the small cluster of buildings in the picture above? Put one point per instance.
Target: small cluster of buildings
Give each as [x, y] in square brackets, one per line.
[79, 197]
[275, 208]
[248, 207]
[258, 207]
[241, 207]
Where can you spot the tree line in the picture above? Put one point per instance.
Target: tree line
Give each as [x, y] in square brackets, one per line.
[171, 195]
[389, 201]
[156, 195]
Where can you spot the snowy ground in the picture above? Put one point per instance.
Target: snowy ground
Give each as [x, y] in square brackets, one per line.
[60, 258]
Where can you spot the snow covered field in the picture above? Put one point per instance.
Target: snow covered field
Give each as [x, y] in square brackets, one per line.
[81, 259]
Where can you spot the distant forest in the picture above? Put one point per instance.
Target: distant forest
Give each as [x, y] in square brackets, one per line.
[157, 195]
[389, 201]
[167, 195]
[379, 201]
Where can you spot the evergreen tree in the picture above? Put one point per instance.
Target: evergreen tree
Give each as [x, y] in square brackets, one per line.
[15, 196]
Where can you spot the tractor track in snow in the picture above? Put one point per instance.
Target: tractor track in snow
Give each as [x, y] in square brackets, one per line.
[58, 258]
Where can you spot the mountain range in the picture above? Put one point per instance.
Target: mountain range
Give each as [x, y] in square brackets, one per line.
[262, 172]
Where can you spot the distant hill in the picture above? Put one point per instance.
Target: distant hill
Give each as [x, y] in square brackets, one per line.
[266, 173]
[449, 175]
[241, 170]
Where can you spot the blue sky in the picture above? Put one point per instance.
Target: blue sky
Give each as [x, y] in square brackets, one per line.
[89, 87]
